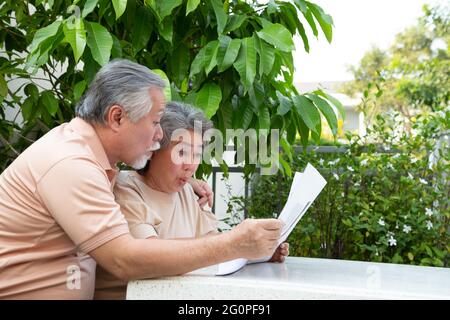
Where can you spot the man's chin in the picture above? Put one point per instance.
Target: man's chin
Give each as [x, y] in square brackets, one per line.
[141, 163]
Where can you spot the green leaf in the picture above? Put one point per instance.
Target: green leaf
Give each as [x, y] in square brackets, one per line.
[234, 22]
[302, 129]
[116, 50]
[89, 6]
[119, 7]
[301, 4]
[221, 15]
[167, 91]
[289, 16]
[333, 100]
[309, 17]
[286, 167]
[228, 51]
[246, 117]
[179, 64]
[286, 147]
[263, 117]
[32, 91]
[278, 36]
[246, 62]
[76, 37]
[302, 31]
[43, 34]
[3, 87]
[166, 29]
[49, 102]
[325, 20]
[266, 56]
[142, 29]
[327, 111]
[308, 112]
[256, 95]
[208, 99]
[192, 5]
[285, 104]
[166, 7]
[99, 41]
[211, 56]
[78, 90]
[198, 63]
[28, 109]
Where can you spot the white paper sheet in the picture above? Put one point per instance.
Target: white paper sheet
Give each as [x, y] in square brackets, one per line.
[305, 188]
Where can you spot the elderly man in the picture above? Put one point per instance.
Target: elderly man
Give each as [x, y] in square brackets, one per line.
[58, 215]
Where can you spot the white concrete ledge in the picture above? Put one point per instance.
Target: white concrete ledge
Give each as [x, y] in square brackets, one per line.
[302, 278]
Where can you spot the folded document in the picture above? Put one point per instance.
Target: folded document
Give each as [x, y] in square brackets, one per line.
[305, 188]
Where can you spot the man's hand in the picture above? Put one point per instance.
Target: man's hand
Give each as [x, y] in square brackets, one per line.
[281, 253]
[204, 191]
[256, 238]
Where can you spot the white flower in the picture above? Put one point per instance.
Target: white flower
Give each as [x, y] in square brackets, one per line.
[336, 176]
[342, 194]
[414, 160]
[406, 228]
[397, 155]
[410, 176]
[423, 181]
[321, 162]
[364, 162]
[389, 166]
[428, 212]
[350, 169]
[429, 224]
[381, 222]
[392, 241]
[332, 163]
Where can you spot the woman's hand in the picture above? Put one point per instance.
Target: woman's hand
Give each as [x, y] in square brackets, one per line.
[281, 253]
[204, 191]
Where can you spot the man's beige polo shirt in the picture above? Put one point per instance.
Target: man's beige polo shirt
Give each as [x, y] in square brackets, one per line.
[56, 205]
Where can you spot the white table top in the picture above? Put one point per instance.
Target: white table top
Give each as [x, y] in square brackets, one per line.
[302, 278]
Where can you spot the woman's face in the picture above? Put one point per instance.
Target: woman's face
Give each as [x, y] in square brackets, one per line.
[172, 167]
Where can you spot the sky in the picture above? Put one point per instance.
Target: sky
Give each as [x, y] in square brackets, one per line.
[358, 24]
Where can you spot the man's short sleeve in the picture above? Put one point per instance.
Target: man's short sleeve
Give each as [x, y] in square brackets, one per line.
[77, 193]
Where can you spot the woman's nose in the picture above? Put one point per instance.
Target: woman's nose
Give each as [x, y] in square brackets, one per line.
[159, 133]
[190, 167]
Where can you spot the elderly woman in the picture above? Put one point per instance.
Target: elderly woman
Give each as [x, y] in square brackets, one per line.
[157, 201]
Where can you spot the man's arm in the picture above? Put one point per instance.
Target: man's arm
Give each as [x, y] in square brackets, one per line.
[128, 258]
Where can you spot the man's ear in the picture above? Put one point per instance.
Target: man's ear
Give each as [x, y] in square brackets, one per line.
[115, 117]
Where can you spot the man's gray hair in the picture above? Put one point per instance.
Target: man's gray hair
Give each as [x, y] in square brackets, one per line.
[119, 82]
[179, 115]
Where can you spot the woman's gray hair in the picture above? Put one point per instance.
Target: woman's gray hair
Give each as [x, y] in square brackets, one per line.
[119, 82]
[179, 115]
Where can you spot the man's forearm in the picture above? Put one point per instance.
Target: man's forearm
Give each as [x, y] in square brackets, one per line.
[154, 258]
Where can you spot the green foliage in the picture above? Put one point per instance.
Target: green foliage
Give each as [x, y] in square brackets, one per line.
[231, 58]
[386, 200]
[413, 74]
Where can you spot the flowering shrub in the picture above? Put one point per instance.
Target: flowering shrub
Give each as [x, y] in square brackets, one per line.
[386, 200]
